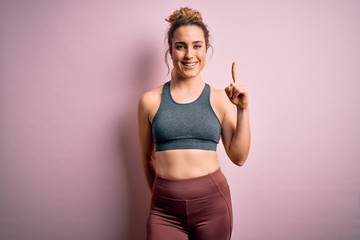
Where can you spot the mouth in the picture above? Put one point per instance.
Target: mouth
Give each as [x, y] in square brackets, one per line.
[189, 64]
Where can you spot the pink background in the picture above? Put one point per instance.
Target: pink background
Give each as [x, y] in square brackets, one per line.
[72, 72]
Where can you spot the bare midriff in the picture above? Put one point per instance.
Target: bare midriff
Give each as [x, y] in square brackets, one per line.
[185, 164]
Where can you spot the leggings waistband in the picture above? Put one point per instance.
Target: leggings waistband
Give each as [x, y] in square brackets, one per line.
[185, 189]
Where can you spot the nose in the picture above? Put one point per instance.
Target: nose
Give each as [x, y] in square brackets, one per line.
[189, 53]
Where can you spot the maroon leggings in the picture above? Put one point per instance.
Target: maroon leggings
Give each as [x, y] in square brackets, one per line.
[197, 208]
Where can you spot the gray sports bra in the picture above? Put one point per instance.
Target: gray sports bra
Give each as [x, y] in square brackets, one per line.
[186, 126]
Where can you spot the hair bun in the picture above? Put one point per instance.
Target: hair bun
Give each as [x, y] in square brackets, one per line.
[184, 14]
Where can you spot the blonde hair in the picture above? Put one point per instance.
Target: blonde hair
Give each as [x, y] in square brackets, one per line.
[184, 17]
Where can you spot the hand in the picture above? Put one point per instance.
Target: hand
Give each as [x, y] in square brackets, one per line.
[237, 92]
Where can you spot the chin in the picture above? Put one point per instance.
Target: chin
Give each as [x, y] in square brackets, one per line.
[190, 74]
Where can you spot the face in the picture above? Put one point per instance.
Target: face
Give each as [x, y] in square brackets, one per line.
[188, 52]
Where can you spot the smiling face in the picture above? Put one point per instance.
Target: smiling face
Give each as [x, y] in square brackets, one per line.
[188, 52]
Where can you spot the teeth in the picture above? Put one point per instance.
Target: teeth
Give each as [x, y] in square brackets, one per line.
[189, 64]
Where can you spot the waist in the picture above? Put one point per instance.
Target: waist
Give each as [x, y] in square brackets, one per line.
[183, 164]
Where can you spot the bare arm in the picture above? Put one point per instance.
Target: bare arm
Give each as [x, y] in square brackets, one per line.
[236, 135]
[236, 124]
[146, 140]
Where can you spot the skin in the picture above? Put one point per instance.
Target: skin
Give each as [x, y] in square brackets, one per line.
[230, 106]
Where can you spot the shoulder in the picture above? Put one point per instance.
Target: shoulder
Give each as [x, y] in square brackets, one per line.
[218, 96]
[150, 100]
[218, 93]
[220, 103]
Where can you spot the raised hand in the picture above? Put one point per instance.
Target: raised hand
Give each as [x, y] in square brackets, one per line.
[236, 91]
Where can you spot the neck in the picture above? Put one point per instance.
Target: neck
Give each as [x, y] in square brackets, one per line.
[187, 82]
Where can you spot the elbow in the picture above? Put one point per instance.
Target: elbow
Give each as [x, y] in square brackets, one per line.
[239, 161]
[239, 157]
[239, 164]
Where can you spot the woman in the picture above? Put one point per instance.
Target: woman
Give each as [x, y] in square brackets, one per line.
[180, 124]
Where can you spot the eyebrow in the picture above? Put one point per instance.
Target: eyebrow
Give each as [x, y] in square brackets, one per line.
[184, 43]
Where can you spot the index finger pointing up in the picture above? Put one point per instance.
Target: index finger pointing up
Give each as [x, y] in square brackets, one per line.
[234, 72]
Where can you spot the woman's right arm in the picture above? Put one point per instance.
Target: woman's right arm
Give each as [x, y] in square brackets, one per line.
[145, 136]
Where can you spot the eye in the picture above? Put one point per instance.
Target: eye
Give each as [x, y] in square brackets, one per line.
[197, 46]
[179, 47]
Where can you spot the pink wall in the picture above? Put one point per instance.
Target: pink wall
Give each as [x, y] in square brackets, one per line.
[71, 73]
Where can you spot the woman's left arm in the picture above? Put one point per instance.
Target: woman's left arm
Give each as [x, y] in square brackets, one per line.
[236, 123]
